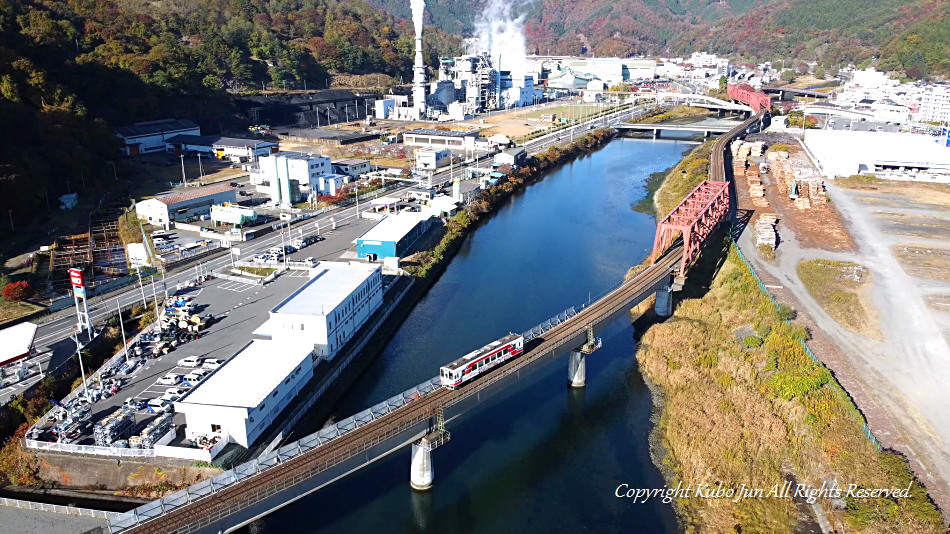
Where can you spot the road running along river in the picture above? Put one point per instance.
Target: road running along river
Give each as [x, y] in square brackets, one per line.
[542, 457]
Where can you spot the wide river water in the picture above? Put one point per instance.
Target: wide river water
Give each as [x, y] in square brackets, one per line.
[541, 458]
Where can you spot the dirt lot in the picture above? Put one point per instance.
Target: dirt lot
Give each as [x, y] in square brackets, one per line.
[899, 231]
[158, 175]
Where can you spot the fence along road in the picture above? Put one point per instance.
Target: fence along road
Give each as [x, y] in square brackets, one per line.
[212, 502]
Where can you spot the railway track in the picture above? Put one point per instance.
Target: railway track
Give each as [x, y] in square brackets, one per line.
[218, 505]
[717, 161]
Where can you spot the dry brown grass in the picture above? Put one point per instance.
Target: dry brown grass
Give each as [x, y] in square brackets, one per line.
[841, 289]
[754, 416]
[11, 310]
[932, 263]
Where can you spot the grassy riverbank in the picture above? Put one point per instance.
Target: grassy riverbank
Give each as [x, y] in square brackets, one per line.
[664, 114]
[741, 402]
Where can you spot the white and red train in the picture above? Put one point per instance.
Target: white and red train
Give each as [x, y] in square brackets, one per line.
[481, 361]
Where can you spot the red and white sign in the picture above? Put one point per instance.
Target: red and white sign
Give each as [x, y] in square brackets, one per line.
[76, 277]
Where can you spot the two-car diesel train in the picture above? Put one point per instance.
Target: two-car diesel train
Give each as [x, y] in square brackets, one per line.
[481, 361]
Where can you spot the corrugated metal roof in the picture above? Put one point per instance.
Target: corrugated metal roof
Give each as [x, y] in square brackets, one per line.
[394, 227]
[156, 127]
[193, 193]
[442, 133]
[217, 140]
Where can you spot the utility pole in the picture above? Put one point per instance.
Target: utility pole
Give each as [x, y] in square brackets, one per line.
[184, 179]
[82, 369]
[142, 288]
[201, 171]
[125, 342]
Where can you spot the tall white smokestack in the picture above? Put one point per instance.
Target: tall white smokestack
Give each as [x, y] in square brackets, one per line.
[419, 68]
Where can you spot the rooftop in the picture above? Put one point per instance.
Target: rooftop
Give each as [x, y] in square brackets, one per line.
[295, 155]
[444, 133]
[243, 381]
[330, 284]
[350, 161]
[217, 140]
[155, 127]
[394, 227]
[16, 341]
[191, 193]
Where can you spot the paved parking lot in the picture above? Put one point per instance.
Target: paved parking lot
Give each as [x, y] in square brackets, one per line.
[238, 309]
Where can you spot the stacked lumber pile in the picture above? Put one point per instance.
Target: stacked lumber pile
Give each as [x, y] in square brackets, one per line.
[765, 230]
[789, 172]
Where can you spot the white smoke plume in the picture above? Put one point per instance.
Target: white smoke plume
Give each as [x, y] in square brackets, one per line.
[501, 34]
[418, 8]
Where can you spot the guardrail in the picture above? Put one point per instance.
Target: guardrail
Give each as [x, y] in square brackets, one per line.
[58, 509]
[92, 450]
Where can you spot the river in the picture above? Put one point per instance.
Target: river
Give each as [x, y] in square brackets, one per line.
[542, 457]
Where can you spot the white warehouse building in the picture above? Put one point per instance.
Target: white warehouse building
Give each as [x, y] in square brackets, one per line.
[151, 136]
[241, 399]
[278, 170]
[185, 204]
[339, 298]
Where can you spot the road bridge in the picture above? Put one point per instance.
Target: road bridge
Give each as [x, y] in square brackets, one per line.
[418, 416]
[696, 100]
[657, 128]
[782, 91]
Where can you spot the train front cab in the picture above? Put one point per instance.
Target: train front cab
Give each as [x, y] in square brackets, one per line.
[451, 379]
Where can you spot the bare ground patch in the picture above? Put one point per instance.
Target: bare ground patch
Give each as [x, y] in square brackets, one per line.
[842, 289]
[932, 263]
[939, 302]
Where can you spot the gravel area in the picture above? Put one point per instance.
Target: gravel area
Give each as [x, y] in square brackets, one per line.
[20, 521]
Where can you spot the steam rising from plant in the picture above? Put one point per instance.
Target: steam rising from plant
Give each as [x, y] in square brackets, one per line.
[501, 34]
[418, 8]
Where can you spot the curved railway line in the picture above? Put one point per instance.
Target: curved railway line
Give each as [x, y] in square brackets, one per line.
[212, 508]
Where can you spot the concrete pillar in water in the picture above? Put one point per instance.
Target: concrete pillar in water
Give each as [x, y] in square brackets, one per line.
[664, 301]
[577, 369]
[656, 133]
[421, 473]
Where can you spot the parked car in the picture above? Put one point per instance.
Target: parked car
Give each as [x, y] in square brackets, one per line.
[159, 405]
[135, 403]
[190, 361]
[212, 363]
[245, 193]
[298, 244]
[176, 391]
[195, 376]
[169, 379]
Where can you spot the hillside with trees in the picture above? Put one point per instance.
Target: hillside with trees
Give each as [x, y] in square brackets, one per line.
[72, 70]
[908, 36]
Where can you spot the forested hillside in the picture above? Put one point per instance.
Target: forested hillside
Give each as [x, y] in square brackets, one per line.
[70, 70]
[912, 36]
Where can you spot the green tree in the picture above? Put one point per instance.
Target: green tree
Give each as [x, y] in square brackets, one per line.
[788, 76]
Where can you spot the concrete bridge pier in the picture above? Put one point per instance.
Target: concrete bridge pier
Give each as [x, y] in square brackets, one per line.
[421, 472]
[656, 133]
[664, 301]
[706, 134]
[577, 369]
[577, 364]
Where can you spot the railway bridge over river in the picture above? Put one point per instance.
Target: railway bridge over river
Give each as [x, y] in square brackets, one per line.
[418, 416]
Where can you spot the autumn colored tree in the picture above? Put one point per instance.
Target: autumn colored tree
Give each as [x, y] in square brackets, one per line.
[17, 291]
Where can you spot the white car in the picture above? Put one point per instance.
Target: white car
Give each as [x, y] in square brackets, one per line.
[190, 361]
[196, 376]
[212, 363]
[169, 397]
[159, 405]
[169, 379]
[176, 391]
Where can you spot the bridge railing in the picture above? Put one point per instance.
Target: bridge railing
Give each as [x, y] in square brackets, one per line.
[543, 327]
[266, 461]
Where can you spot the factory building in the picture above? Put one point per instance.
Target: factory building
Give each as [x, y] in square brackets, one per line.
[231, 148]
[329, 309]
[351, 167]
[515, 157]
[184, 205]
[281, 174]
[245, 396]
[433, 159]
[151, 136]
[242, 398]
[393, 236]
[441, 139]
